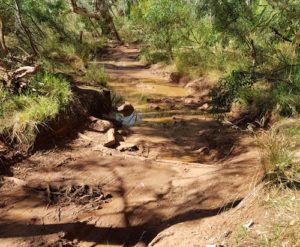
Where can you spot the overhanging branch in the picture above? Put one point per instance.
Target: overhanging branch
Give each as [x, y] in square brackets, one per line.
[281, 35]
[84, 12]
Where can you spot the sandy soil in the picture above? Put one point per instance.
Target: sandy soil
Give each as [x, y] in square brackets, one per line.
[167, 184]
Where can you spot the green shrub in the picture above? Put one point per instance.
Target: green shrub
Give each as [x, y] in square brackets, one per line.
[259, 97]
[229, 88]
[250, 88]
[154, 57]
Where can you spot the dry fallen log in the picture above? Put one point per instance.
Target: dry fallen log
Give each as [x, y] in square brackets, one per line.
[24, 71]
[15, 79]
[83, 11]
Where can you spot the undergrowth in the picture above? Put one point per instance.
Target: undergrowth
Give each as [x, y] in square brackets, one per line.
[252, 89]
[96, 75]
[277, 209]
[279, 146]
[21, 115]
[277, 225]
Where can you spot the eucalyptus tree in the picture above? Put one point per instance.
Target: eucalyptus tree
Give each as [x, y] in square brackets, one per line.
[100, 10]
[3, 48]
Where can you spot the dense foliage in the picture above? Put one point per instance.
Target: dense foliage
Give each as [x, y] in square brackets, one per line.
[251, 45]
[245, 42]
[62, 38]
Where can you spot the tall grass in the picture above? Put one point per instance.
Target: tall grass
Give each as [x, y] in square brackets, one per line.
[277, 222]
[279, 145]
[96, 75]
[22, 114]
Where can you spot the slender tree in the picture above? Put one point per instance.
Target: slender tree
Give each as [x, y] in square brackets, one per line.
[3, 48]
[24, 28]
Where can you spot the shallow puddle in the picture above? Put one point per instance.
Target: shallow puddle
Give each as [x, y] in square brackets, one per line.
[170, 134]
[138, 92]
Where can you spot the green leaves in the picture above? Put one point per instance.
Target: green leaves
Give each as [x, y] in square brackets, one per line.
[166, 23]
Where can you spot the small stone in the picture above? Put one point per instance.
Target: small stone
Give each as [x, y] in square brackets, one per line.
[101, 125]
[75, 241]
[204, 150]
[189, 101]
[204, 107]
[61, 234]
[175, 77]
[249, 224]
[123, 132]
[131, 147]
[2, 147]
[111, 139]
[126, 109]
[292, 222]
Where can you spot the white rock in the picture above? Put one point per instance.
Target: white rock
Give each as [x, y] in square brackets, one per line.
[101, 125]
[111, 139]
[127, 147]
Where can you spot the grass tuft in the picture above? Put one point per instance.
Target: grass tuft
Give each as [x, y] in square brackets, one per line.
[279, 145]
[20, 115]
[96, 75]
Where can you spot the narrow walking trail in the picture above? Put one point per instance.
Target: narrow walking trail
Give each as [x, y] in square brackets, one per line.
[169, 183]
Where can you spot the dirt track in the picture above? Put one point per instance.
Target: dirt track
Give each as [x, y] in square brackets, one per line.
[151, 190]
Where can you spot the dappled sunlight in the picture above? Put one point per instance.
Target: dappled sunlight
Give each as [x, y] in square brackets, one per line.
[144, 193]
[174, 134]
[191, 167]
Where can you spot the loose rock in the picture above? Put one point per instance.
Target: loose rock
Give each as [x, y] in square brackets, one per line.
[111, 139]
[123, 132]
[101, 125]
[126, 109]
[155, 107]
[248, 225]
[204, 107]
[128, 147]
[204, 150]
[175, 77]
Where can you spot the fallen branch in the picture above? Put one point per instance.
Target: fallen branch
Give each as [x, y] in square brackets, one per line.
[24, 71]
[101, 12]
[84, 12]
[17, 181]
[14, 79]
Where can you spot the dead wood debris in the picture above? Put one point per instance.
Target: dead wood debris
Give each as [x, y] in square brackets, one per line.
[77, 194]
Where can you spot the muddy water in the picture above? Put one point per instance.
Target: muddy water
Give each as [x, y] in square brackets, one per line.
[169, 130]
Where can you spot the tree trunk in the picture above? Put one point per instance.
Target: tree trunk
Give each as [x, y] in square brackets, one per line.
[3, 48]
[169, 45]
[24, 28]
[253, 53]
[102, 7]
[101, 12]
[80, 37]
